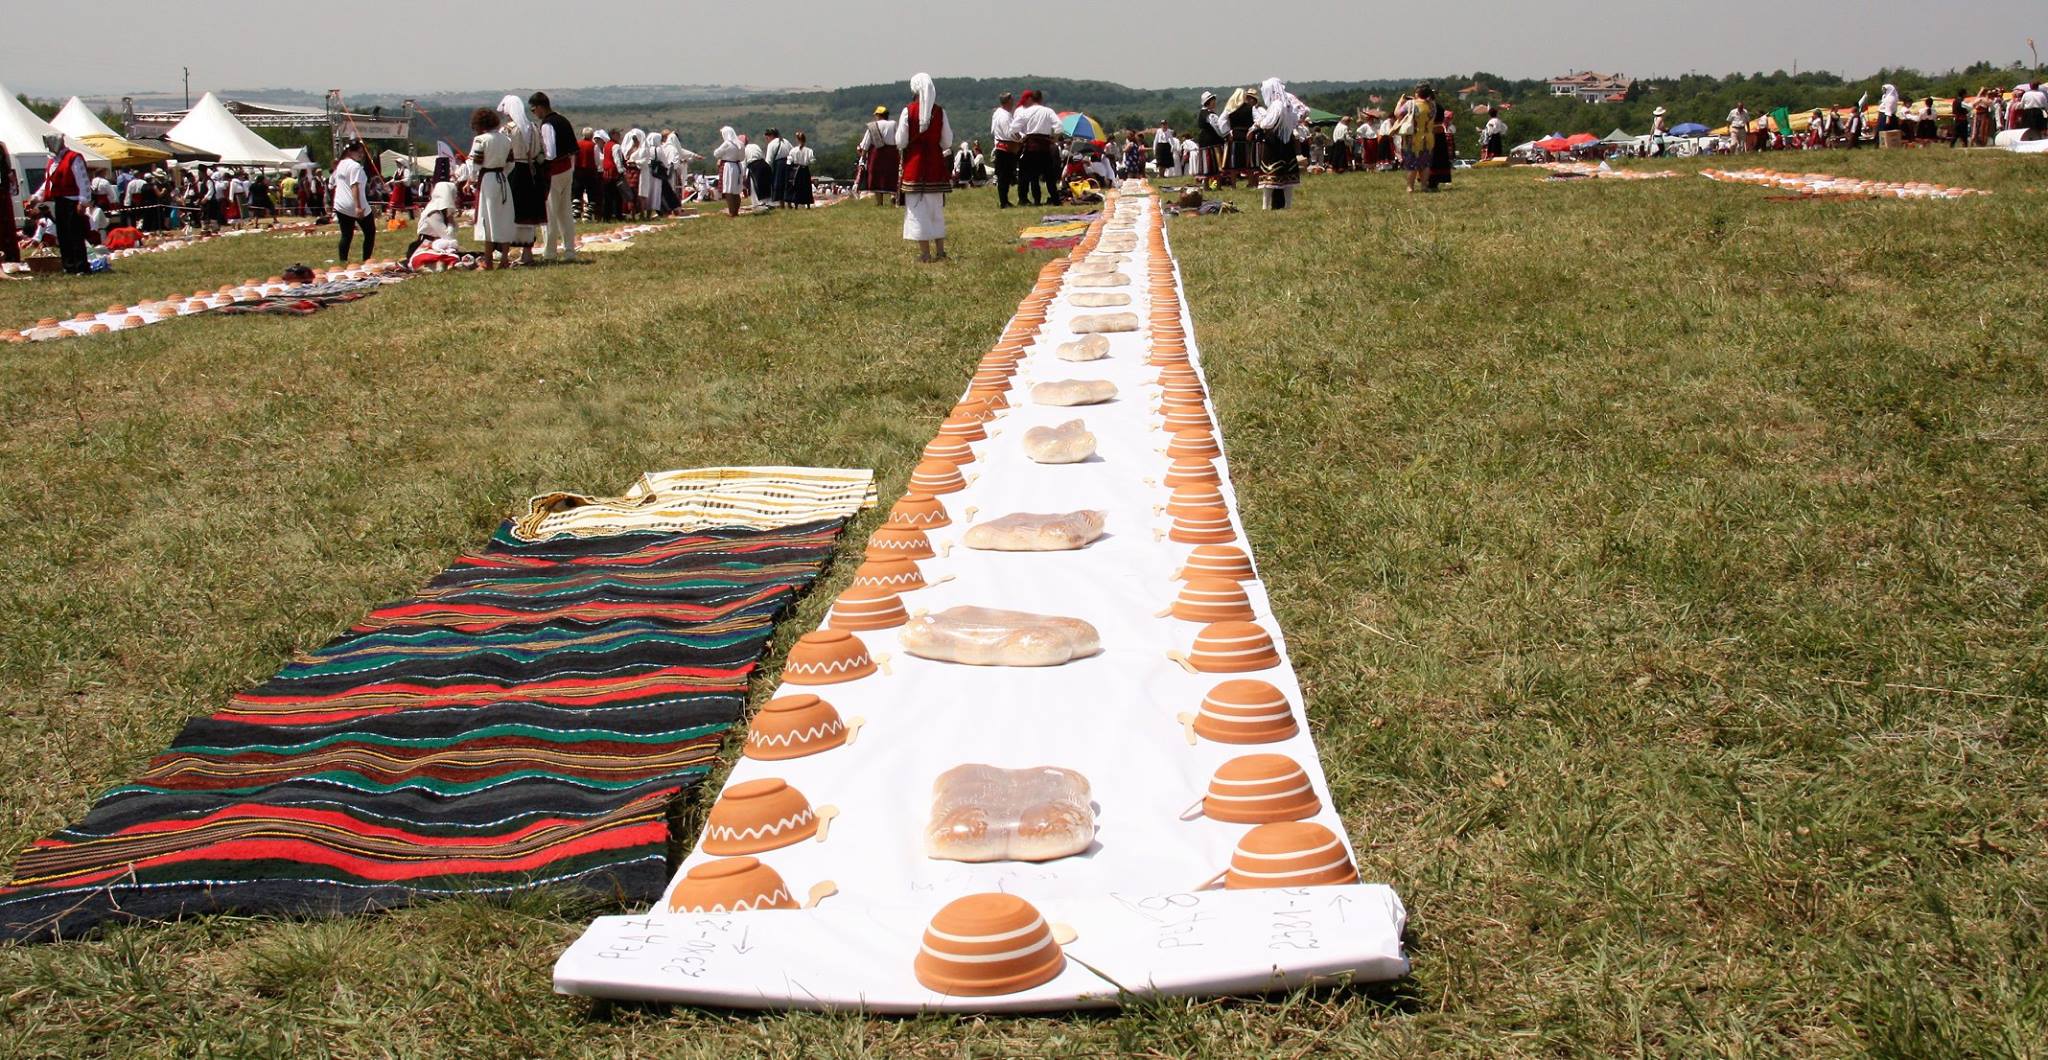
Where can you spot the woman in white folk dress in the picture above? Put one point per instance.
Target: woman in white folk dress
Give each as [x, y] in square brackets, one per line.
[732, 176]
[489, 155]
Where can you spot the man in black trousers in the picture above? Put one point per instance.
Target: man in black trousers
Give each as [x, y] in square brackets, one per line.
[1009, 147]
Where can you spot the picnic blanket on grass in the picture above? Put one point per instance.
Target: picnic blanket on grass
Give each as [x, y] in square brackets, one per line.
[526, 719]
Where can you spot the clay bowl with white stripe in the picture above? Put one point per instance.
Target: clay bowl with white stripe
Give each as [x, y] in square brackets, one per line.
[1260, 789]
[1161, 356]
[1244, 710]
[1217, 561]
[1232, 648]
[951, 450]
[978, 411]
[1187, 391]
[917, 511]
[962, 429]
[1202, 526]
[1289, 854]
[827, 656]
[758, 815]
[1212, 600]
[900, 542]
[794, 726]
[1193, 442]
[990, 379]
[1179, 418]
[865, 607]
[1005, 363]
[988, 944]
[994, 398]
[1192, 496]
[1191, 470]
[1179, 373]
[894, 574]
[936, 477]
[730, 885]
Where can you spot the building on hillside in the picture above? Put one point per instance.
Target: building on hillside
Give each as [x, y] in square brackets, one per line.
[1591, 87]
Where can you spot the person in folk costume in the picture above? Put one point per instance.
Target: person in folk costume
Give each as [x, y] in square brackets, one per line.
[1212, 136]
[1446, 146]
[490, 157]
[603, 151]
[1339, 153]
[525, 174]
[677, 158]
[1238, 115]
[730, 157]
[758, 173]
[1038, 166]
[559, 147]
[1278, 123]
[10, 186]
[627, 153]
[1163, 144]
[434, 246]
[68, 189]
[922, 135]
[963, 164]
[1009, 148]
[773, 150]
[796, 191]
[651, 183]
[881, 166]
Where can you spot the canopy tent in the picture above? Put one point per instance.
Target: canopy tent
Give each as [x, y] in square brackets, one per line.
[210, 126]
[1552, 143]
[77, 119]
[23, 134]
[1691, 128]
[1581, 139]
[1618, 137]
[1082, 127]
[177, 151]
[391, 160]
[1321, 117]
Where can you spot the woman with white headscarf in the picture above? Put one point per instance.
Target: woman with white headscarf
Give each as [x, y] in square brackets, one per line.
[1276, 122]
[922, 135]
[1888, 110]
[435, 247]
[677, 158]
[525, 174]
[732, 177]
[653, 189]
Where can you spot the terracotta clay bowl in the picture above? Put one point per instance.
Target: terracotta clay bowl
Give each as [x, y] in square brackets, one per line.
[1202, 526]
[990, 379]
[994, 399]
[1179, 418]
[83, 317]
[1193, 443]
[1191, 470]
[794, 726]
[758, 815]
[1164, 358]
[1177, 373]
[951, 450]
[116, 309]
[1260, 789]
[1188, 391]
[98, 329]
[827, 657]
[917, 511]
[978, 411]
[1004, 364]
[898, 541]
[1233, 648]
[131, 321]
[1243, 710]
[1193, 496]
[865, 607]
[195, 306]
[1289, 854]
[1212, 600]
[729, 885]
[1217, 561]
[936, 477]
[11, 335]
[893, 573]
[47, 322]
[962, 429]
[988, 944]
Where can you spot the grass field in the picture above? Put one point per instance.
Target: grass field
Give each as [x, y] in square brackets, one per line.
[1665, 565]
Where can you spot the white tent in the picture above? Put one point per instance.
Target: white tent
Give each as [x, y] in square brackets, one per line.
[211, 127]
[23, 134]
[77, 119]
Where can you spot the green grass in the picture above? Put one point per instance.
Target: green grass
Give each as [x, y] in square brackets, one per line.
[1665, 566]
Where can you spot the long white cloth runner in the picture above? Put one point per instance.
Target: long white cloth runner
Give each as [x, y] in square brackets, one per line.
[1141, 923]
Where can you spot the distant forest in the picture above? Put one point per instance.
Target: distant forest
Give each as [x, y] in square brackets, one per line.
[833, 118]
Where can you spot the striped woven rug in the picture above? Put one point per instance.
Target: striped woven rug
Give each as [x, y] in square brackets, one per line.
[524, 720]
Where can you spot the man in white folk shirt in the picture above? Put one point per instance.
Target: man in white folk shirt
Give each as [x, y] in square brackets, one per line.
[1738, 128]
[558, 148]
[1009, 147]
[776, 154]
[1035, 124]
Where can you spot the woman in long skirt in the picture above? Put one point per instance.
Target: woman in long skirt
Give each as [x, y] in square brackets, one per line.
[489, 155]
[731, 177]
[796, 188]
[922, 135]
[524, 174]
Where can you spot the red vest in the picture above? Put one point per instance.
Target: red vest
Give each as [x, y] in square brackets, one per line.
[925, 166]
[59, 181]
[586, 155]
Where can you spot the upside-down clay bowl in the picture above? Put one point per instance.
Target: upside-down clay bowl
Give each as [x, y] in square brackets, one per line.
[1217, 561]
[962, 429]
[936, 477]
[892, 573]
[729, 885]
[984, 945]
[1179, 373]
[758, 815]
[995, 399]
[1185, 391]
[1191, 470]
[1260, 789]
[1243, 710]
[917, 511]
[1202, 526]
[1212, 600]
[131, 321]
[863, 607]
[83, 317]
[1289, 854]
[1180, 418]
[951, 450]
[978, 411]
[990, 379]
[794, 726]
[827, 656]
[898, 541]
[1187, 443]
[1232, 648]
[1192, 496]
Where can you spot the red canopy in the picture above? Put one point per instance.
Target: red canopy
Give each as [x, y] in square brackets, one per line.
[1579, 139]
[1554, 143]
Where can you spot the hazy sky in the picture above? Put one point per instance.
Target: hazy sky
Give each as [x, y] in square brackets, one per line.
[431, 45]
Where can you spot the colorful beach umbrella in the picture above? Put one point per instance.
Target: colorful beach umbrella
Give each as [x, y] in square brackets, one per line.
[1081, 127]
